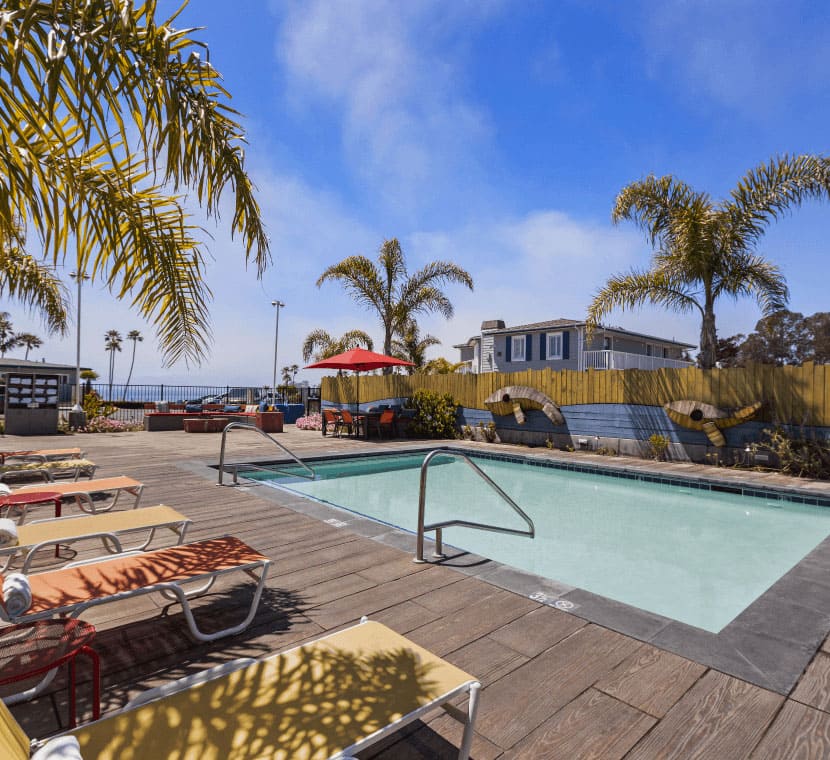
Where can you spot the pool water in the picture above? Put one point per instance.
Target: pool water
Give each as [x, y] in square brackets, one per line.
[696, 556]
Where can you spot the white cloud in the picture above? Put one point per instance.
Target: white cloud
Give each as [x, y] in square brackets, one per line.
[396, 74]
[743, 54]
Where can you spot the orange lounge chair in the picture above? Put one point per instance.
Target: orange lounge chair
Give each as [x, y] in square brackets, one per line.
[83, 490]
[81, 585]
[329, 698]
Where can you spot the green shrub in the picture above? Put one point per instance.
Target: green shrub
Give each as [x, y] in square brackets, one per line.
[94, 406]
[435, 415]
[657, 445]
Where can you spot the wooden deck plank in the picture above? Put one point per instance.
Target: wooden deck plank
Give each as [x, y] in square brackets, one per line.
[540, 629]
[593, 725]
[720, 717]
[651, 680]
[797, 732]
[545, 684]
[814, 687]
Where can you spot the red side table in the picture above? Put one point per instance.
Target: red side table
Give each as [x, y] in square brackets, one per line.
[32, 649]
[28, 498]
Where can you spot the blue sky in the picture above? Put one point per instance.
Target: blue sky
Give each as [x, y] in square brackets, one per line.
[494, 134]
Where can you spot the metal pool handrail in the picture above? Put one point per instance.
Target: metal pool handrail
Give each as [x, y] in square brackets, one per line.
[437, 526]
[248, 426]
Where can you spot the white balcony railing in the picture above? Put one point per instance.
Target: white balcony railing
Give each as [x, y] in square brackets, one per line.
[623, 360]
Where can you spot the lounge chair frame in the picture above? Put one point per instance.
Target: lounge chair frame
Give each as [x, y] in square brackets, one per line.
[173, 590]
[82, 492]
[111, 539]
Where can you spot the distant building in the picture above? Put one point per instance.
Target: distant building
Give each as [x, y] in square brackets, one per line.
[562, 344]
[66, 372]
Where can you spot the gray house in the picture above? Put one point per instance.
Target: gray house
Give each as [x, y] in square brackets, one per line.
[562, 344]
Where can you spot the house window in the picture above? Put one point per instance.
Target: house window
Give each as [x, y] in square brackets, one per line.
[517, 348]
[649, 349]
[554, 345]
[606, 343]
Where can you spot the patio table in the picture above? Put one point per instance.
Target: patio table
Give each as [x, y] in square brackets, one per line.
[32, 649]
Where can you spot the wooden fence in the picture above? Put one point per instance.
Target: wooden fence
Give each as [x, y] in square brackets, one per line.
[797, 395]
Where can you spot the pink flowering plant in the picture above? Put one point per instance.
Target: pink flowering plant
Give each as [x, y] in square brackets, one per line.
[311, 422]
[106, 425]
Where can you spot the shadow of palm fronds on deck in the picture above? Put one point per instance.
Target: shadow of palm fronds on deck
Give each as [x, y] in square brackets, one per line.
[307, 703]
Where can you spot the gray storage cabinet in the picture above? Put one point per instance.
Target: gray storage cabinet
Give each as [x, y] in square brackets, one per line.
[31, 403]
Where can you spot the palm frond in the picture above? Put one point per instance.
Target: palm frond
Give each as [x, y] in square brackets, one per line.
[32, 283]
[627, 291]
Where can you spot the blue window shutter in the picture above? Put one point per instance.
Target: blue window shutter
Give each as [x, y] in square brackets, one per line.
[528, 347]
[566, 344]
[543, 339]
[507, 348]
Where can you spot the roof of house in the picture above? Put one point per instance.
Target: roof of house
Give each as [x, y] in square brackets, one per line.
[561, 323]
[30, 365]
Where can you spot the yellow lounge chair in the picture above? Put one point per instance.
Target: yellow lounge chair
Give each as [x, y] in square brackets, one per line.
[41, 455]
[83, 490]
[89, 583]
[49, 470]
[109, 527]
[329, 698]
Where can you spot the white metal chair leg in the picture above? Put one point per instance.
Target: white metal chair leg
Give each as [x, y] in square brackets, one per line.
[469, 726]
[32, 692]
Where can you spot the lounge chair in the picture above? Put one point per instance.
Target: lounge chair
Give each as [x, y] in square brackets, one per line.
[41, 455]
[48, 470]
[81, 585]
[110, 527]
[329, 698]
[83, 490]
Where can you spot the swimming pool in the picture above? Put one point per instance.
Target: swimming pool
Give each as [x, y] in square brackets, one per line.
[695, 555]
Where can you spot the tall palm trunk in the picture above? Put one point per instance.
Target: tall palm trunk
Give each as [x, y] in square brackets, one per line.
[130, 373]
[708, 337]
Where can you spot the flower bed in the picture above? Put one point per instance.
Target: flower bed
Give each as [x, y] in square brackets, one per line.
[311, 422]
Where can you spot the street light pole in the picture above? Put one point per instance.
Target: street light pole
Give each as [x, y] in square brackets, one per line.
[79, 277]
[279, 305]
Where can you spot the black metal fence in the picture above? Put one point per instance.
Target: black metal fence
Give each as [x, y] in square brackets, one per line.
[130, 400]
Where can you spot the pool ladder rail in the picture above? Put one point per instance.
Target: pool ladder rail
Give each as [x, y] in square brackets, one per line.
[438, 526]
[234, 468]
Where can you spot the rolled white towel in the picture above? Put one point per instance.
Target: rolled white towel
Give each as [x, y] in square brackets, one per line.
[5, 489]
[61, 748]
[8, 532]
[17, 594]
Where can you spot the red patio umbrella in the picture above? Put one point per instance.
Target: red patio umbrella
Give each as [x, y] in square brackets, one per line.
[359, 360]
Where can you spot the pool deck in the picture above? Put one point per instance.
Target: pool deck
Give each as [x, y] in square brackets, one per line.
[555, 684]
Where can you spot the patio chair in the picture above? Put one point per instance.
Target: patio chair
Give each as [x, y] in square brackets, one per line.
[352, 424]
[83, 491]
[331, 422]
[110, 527]
[329, 698]
[48, 470]
[41, 455]
[89, 583]
[386, 420]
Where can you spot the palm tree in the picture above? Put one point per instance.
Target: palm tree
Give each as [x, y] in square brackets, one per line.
[110, 117]
[112, 343]
[319, 345]
[136, 337]
[389, 290]
[286, 375]
[411, 347]
[30, 341]
[8, 339]
[441, 366]
[295, 368]
[704, 250]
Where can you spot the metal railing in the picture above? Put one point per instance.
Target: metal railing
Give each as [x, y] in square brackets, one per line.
[438, 526]
[625, 360]
[235, 470]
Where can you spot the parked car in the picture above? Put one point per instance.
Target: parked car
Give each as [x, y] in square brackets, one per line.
[232, 396]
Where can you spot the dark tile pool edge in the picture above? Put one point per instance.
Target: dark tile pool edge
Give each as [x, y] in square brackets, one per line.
[773, 658]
